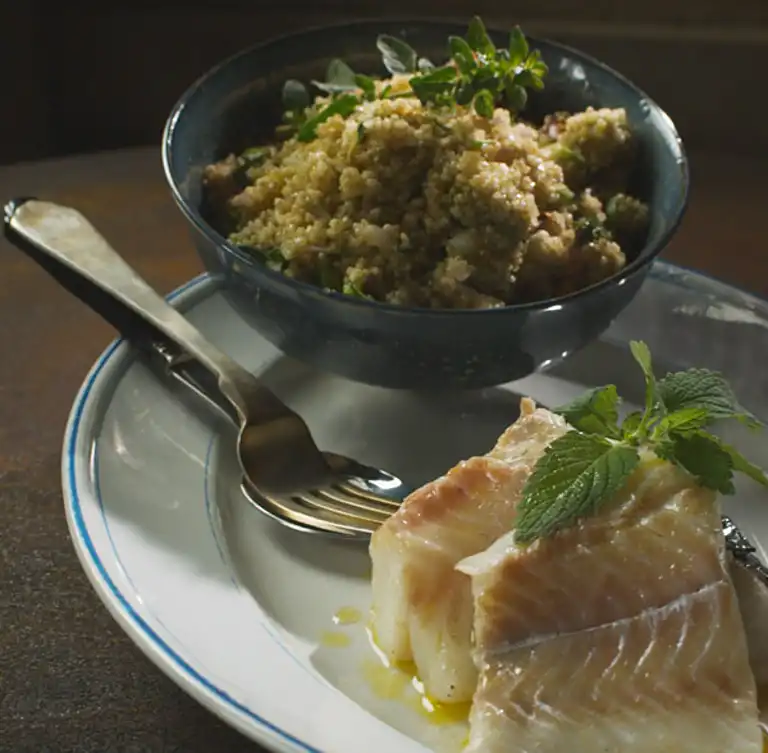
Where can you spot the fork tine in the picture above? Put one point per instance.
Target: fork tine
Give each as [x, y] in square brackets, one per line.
[338, 493]
[298, 514]
[341, 506]
[378, 500]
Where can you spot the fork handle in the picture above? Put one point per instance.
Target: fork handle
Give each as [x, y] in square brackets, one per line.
[70, 249]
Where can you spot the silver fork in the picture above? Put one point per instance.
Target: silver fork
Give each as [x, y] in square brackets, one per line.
[284, 474]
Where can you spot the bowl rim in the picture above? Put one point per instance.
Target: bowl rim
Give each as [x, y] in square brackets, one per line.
[645, 257]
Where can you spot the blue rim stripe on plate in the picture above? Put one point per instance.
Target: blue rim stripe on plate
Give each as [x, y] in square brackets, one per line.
[82, 530]
[662, 270]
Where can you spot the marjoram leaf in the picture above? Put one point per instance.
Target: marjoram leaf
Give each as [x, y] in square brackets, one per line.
[343, 105]
[484, 103]
[367, 85]
[594, 412]
[398, 56]
[702, 388]
[340, 73]
[462, 54]
[516, 96]
[478, 38]
[295, 95]
[578, 474]
[518, 47]
[428, 87]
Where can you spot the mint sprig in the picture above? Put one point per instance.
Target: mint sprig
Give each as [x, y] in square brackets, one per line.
[705, 389]
[570, 481]
[595, 412]
[581, 471]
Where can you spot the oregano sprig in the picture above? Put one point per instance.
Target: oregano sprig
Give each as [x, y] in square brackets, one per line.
[482, 75]
[477, 74]
[581, 471]
[346, 89]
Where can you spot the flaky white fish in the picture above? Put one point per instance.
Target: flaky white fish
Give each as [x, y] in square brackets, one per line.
[422, 605]
[622, 633]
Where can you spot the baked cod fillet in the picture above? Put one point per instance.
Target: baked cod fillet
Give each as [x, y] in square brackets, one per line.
[422, 606]
[621, 634]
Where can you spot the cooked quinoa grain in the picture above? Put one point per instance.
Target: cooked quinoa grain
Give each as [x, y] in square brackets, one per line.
[441, 207]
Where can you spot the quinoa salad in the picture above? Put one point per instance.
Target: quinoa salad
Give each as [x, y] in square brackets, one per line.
[429, 188]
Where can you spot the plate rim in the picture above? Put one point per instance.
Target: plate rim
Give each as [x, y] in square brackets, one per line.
[153, 646]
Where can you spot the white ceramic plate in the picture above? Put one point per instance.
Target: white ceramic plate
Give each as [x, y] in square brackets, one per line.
[239, 612]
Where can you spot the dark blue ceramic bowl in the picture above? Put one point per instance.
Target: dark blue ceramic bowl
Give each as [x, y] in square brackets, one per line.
[238, 102]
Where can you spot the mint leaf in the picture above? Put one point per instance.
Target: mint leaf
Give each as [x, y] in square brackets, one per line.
[582, 470]
[594, 412]
[631, 424]
[398, 56]
[702, 388]
[702, 456]
[742, 465]
[577, 475]
[642, 355]
[683, 420]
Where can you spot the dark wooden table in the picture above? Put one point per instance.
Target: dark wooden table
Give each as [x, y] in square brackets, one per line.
[70, 681]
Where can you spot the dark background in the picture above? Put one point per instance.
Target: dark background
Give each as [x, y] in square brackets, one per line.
[79, 78]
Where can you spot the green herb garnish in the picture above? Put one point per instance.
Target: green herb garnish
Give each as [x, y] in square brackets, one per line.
[270, 257]
[367, 85]
[483, 75]
[478, 75]
[478, 38]
[339, 78]
[581, 471]
[254, 156]
[435, 86]
[295, 96]
[398, 56]
[589, 230]
[352, 289]
[343, 105]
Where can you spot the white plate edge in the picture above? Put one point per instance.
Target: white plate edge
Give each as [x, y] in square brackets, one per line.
[77, 483]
